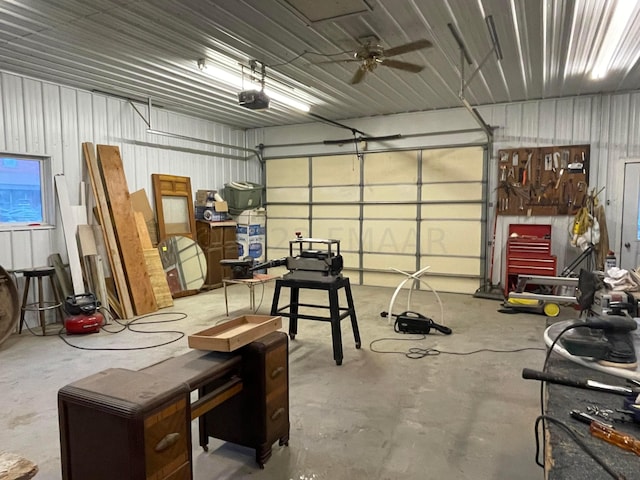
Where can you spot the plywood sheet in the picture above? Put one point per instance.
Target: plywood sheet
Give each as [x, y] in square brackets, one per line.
[122, 305]
[154, 265]
[461, 164]
[158, 278]
[288, 172]
[135, 268]
[335, 170]
[391, 167]
[70, 228]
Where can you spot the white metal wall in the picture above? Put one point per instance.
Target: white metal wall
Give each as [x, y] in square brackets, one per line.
[47, 119]
[609, 123]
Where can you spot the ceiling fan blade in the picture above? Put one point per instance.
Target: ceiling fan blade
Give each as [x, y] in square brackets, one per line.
[407, 47]
[409, 67]
[358, 76]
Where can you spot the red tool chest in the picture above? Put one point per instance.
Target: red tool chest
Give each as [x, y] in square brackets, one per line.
[528, 253]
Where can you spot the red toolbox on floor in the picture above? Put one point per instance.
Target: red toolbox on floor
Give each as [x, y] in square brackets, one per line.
[528, 253]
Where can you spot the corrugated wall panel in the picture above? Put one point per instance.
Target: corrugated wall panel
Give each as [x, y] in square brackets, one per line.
[42, 118]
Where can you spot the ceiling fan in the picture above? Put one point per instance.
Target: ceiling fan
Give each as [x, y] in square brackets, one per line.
[370, 54]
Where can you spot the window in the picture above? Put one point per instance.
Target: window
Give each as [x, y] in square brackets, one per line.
[26, 193]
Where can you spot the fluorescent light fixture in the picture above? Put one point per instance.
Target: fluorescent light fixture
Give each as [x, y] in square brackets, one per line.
[272, 89]
[620, 17]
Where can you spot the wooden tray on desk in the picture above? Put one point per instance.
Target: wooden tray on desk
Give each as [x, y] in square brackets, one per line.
[236, 333]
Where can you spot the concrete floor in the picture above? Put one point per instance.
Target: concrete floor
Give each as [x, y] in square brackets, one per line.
[378, 416]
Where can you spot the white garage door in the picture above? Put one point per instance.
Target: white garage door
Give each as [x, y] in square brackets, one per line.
[403, 209]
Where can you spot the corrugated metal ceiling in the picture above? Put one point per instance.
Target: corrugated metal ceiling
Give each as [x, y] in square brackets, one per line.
[149, 49]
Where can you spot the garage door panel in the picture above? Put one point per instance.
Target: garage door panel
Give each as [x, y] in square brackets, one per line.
[444, 192]
[449, 265]
[391, 167]
[336, 211]
[451, 237]
[457, 211]
[288, 211]
[347, 231]
[336, 170]
[406, 263]
[300, 195]
[288, 172]
[385, 193]
[389, 236]
[443, 165]
[351, 260]
[336, 194]
[280, 231]
[409, 212]
[452, 284]
[379, 279]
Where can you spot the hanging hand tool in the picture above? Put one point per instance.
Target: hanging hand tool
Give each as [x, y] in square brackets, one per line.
[607, 433]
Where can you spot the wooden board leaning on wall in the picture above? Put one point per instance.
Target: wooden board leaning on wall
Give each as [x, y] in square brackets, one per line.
[543, 180]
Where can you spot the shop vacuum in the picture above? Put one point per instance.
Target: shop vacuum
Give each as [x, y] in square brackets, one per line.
[84, 316]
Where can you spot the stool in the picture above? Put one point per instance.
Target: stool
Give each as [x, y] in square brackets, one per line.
[42, 305]
[336, 312]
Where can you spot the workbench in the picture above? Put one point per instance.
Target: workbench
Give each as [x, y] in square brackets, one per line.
[564, 459]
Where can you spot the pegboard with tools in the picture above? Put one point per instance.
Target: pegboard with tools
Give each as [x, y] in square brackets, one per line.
[543, 180]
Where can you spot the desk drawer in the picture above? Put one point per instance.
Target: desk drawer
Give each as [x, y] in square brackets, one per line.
[276, 369]
[277, 414]
[166, 440]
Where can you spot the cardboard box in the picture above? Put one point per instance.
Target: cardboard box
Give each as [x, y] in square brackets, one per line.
[205, 198]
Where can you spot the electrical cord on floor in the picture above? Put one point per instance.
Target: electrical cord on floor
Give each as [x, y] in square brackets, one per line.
[129, 326]
[416, 353]
[575, 437]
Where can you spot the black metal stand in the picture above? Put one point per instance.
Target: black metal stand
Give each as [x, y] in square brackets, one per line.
[337, 313]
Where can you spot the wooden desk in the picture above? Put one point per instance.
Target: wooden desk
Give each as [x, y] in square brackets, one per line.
[258, 279]
[242, 397]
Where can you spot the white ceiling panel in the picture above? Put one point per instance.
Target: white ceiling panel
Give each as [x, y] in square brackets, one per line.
[150, 48]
